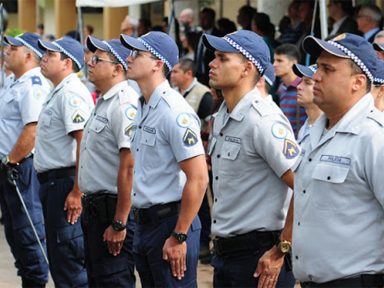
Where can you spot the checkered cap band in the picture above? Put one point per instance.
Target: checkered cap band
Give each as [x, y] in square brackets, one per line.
[354, 58]
[154, 52]
[122, 62]
[245, 53]
[68, 54]
[29, 46]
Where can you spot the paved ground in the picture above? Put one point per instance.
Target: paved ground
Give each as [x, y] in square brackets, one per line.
[8, 277]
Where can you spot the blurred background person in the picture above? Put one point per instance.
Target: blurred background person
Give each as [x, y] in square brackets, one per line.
[129, 26]
[290, 26]
[341, 14]
[369, 21]
[245, 15]
[226, 26]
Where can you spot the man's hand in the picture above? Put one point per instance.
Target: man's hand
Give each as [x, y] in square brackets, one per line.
[114, 239]
[73, 206]
[268, 268]
[176, 254]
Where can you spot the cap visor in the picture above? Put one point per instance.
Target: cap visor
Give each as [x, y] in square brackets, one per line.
[314, 46]
[132, 43]
[217, 43]
[45, 45]
[94, 44]
[12, 41]
[302, 71]
[378, 47]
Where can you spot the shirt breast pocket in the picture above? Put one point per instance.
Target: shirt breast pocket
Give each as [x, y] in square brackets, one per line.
[148, 139]
[330, 194]
[46, 119]
[97, 127]
[230, 150]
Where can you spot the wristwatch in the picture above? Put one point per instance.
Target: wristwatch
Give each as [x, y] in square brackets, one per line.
[5, 160]
[118, 225]
[180, 237]
[284, 246]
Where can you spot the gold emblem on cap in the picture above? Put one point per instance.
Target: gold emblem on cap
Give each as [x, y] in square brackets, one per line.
[339, 37]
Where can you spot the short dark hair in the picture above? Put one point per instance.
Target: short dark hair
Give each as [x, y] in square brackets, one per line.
[186, 65]
[357, 70]
[75, 68]
[210, 12]
[289, 50]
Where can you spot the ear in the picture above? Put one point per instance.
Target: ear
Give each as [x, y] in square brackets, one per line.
[359, 81]
[158, 65]
[248, 69]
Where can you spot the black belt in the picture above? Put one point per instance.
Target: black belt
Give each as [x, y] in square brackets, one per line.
[364, 280]
[156, 213]
[56, 174]
[245, 242]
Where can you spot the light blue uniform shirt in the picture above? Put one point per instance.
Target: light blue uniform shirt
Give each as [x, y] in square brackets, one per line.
[106, 132]
[338, 228]
[167, 131]
[251, 148]
[65, 110]
[20, 105]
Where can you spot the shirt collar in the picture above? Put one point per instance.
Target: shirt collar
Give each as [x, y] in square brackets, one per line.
[27, 74]
[113, 91]
[65, 81]
[158, 93]
[245, 102]
[370, 33]
[190, 86]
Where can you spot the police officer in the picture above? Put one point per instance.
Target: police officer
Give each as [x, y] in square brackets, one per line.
[305, 98]
[59, 133]
[338, 226]
[106, 169]
[19, 110]
[252, 149]
[170, 175]
[377, 89]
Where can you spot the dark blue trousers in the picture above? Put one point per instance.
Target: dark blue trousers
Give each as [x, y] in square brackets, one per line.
[237, 269]
[29, 259]
[104, 269]
[148, 249]
[64, 241]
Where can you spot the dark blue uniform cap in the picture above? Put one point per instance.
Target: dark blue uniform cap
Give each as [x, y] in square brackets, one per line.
[67, 45]
[304, 71]
[28, 40]
[348, 46]
[113, 46]
[269, 74]
[378, 74]
[160, 44]
[246, 42]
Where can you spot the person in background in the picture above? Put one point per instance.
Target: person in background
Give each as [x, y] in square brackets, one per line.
[377, 89]
[286, 56]
[129, 26]
[369, 21]
[378, 44]
[305, 98]
[341, 13]
[245, 15]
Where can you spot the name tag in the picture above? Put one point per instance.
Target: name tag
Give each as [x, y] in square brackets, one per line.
[149, 129]
[336, 159]
[232, 139]
[102, 119]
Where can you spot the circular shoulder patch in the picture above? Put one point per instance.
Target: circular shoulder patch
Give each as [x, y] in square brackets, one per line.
[130, 112]
[75, 101]
[183, 120]
[279, 131]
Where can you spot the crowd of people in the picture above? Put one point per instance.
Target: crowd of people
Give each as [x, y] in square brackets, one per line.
[258, 155]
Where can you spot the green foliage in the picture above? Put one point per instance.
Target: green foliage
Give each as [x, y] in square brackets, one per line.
[13, 32]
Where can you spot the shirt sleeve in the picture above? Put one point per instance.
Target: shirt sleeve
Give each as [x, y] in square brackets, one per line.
[76, 111]
[274, 140]
[31, 101]
[183, 131]
[122, 122]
